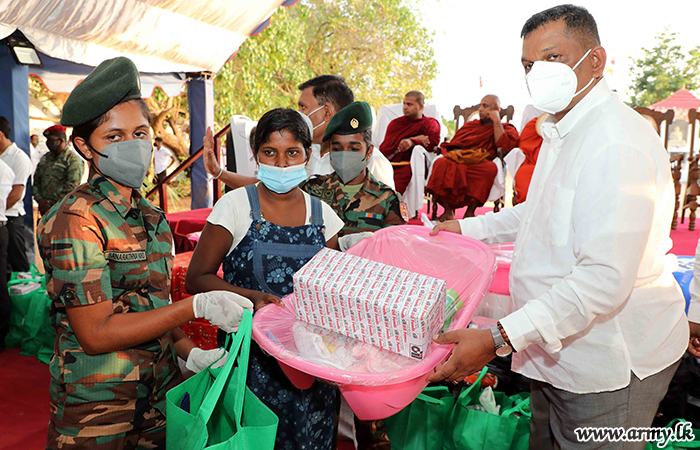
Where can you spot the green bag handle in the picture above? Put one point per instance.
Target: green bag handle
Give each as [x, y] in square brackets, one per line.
[240, 350]
[432, 400]
[691, 444]
[471, 394]
[35, 274]
[519, 405]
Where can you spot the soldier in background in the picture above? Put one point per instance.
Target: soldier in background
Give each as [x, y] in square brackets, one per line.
[363, 203]
[58, 172]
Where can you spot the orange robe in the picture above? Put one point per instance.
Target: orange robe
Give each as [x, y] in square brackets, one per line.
[530, 143]
[402, 128]
[459, 184]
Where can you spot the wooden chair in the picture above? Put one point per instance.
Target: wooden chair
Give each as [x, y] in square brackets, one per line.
[676, 162]
[692, 189]
[465, 114]
[657, 118]
[692, 118]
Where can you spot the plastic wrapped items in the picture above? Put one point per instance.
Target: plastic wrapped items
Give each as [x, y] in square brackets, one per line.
[391, 308]
[466, 265]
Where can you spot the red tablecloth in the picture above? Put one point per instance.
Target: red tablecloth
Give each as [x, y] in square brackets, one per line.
[184, 223]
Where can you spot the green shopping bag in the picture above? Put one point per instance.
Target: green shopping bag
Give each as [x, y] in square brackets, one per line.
[421, 425]
[215, 409]
[33, 274]
[469, 429]
[695, 443]
[40, 335]
[17, 332]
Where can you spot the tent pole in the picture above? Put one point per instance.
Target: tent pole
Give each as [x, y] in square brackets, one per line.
[200, 94]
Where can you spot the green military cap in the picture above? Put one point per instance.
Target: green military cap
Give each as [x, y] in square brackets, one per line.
[112, 82]
[354, 118]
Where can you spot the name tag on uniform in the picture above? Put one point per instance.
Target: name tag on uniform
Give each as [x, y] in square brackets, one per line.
[132, 256]
[374, 216]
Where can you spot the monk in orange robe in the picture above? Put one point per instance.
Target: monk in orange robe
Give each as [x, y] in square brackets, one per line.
[530, 143]
[404, 133]
[468, 182]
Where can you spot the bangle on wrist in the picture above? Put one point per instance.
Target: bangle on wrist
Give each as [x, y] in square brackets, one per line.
[221, 170]
[505, 336]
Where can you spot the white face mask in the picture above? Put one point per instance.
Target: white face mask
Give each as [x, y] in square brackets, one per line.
[309, 116]
[552, 85]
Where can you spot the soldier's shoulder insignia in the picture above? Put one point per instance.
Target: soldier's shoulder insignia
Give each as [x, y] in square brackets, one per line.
[404, 211]
[328, 194]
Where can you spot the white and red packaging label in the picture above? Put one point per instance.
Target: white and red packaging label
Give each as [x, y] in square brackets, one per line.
[391, 308]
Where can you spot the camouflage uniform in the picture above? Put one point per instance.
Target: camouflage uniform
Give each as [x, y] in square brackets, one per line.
[56, 176]
[375, 205]
[98, 247]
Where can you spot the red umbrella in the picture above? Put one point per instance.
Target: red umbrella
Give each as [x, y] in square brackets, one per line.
[679, 100]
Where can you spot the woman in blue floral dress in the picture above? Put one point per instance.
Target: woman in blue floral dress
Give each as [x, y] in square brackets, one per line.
[263, 234]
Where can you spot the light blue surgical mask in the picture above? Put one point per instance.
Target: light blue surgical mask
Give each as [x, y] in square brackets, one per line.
[282, 179]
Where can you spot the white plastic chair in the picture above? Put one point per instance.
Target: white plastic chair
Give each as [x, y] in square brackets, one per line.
[421, 159]
[241, 126]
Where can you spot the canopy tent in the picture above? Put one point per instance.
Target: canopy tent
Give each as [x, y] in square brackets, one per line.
[158, 35]
[682, 99]
[170, 41]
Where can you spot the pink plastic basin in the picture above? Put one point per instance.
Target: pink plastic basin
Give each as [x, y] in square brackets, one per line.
[465, 264]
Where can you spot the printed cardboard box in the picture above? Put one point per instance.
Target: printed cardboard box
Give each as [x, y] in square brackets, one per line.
[391, 308]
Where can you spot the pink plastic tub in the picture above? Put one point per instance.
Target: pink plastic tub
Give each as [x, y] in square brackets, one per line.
[465, 264]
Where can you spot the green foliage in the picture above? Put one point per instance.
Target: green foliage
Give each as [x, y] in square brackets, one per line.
[663, 70]
[378, 46]
[450, 124]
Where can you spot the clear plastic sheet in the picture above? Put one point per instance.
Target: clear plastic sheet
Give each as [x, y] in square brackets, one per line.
[367, 375]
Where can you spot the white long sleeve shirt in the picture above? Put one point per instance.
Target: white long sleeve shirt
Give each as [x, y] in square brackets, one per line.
[593, 289]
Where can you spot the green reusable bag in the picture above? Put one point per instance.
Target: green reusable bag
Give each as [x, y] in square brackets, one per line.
[34, 274]
[469, 429]
[421, 425]
[20, 305]
[40, 336]
[695, 443]
[215, 409]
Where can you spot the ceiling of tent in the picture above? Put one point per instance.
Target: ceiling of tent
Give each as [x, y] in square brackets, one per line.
[164, 38]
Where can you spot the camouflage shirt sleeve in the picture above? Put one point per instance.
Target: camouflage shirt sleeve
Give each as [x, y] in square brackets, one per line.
[37, 185]
[73, 175]
[393, 211]
[72, 251]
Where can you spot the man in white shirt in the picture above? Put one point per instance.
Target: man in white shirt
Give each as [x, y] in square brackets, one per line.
[600, 325]
[162, 159]
[22, 167]
[7, 176]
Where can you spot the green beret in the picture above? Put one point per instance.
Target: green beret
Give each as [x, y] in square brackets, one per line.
[354, 118]
[113, 81]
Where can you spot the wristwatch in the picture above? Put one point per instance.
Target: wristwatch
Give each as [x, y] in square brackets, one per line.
[502, 348]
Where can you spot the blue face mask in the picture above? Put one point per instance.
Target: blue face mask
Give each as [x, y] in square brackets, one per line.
[282, 179]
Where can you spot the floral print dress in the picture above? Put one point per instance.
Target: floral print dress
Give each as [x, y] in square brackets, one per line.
[265, 261]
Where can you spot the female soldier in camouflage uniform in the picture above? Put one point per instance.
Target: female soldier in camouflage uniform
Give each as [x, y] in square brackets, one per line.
[108, 258]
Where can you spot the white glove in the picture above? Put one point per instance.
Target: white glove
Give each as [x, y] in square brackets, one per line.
[222, 308]
[199, 359]
[347, 241]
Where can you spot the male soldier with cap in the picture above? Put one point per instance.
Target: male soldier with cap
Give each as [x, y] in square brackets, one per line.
[363, 203]
[58, 172]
